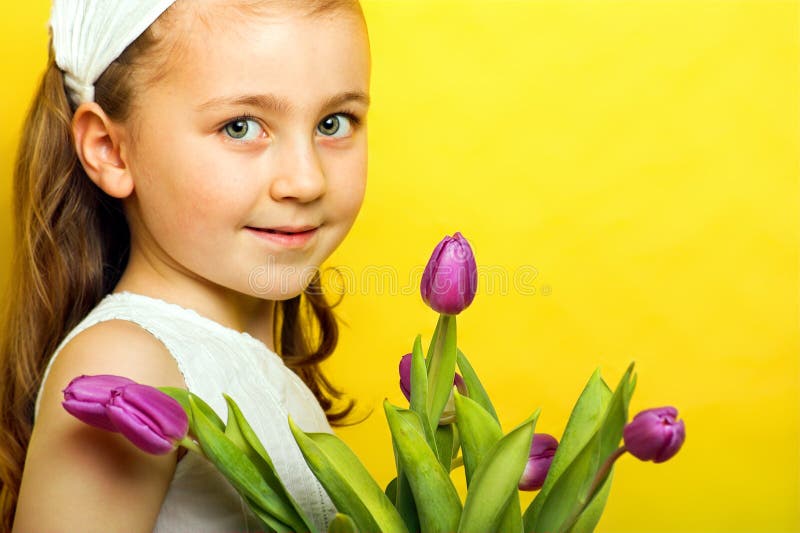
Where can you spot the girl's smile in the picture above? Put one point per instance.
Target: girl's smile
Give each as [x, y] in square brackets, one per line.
[289, 238]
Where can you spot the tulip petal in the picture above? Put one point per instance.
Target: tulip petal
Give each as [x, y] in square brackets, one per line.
[450, 278]
[158, 410]
[654, 435]
[673, 444]
[459, 384]
[543, 448]
[535, 472]
[85, 398]
[91, 413]
[94, 388]
[149, 418]
[405, 375]
[138, 432]
[430, 270]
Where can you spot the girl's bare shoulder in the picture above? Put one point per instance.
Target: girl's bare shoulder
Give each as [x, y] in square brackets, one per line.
[116, 347]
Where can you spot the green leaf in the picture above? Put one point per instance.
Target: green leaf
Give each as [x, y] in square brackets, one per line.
[474, 386]
[584, 421]
[591, 515]
[274, 524]
[405, 503]
[496, 479]
[442, 368]
[404, 498]
[444, 445]
[419, 392]
[234, 464]
[182, 397]
[438, 504]
[342, 523]
[569, 495]
[347, 482]
[434, 341]
[456, 442]
[419, 380]
[511, 519]
[391, 491]
[241, 433]
[478, 430]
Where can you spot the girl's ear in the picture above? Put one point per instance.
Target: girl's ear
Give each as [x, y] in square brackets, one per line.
[98, 142]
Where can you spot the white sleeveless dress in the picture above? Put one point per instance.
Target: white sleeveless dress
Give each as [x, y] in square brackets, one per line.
[215, 359]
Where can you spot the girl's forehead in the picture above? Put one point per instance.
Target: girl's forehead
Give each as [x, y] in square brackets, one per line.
[207, 9]
[224, 16]
[282, 52]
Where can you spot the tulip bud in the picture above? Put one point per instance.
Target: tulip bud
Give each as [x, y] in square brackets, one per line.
[86, 398]
[405, 378]
[654, 434]
[451, 276]
[149, 418]
[543, 448]
[449, 413]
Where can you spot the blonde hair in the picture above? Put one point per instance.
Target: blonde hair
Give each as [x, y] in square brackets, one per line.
[71, 245]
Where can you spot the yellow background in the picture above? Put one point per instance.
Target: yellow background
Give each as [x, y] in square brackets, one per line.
[641, 158]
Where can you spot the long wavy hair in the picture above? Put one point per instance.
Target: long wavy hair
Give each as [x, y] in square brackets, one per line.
[71, 245]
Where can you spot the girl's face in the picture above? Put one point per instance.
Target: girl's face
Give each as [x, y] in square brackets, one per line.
[258, 122]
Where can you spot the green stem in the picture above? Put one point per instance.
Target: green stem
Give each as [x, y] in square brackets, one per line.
[598, 480]
[437, 397]
[188, 443]
[434, 339]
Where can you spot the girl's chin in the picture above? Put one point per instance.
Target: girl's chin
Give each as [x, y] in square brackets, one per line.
[279, 289]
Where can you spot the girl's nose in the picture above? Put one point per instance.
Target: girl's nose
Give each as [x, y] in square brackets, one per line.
[298, 174]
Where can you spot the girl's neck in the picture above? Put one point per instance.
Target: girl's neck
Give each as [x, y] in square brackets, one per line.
[234, 310]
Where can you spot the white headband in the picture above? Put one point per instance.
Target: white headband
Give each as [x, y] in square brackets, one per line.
[88, 35]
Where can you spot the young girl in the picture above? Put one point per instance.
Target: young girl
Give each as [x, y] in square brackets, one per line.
[185, 168]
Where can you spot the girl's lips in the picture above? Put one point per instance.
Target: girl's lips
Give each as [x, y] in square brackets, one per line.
[286, 240]
[289, 229]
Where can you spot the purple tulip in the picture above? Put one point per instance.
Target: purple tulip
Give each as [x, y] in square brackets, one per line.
[451, 276]
[86, 398]
[654, 434]
[149, 418]
[405, 378]
[543, 448]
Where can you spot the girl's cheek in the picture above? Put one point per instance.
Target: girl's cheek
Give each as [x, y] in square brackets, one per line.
[351, 197]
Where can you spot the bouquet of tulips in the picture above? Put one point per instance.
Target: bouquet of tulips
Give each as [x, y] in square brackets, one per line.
[449, 424]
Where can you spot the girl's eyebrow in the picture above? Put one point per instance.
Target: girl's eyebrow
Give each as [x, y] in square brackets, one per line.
[281, 105]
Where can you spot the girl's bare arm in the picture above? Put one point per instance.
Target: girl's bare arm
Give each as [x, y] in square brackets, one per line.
[79, 478]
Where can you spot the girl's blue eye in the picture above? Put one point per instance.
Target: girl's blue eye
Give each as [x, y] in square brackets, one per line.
[243, 129]
[336, 126]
